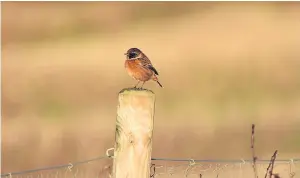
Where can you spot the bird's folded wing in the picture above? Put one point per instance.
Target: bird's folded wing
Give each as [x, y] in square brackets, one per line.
[147, 64]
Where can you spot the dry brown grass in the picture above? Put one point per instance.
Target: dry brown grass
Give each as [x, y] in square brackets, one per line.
[223, 68]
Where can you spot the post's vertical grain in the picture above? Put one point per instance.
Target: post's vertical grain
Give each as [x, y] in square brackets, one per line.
[134, 129]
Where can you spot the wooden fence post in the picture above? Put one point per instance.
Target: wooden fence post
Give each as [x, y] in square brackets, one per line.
[133, 137]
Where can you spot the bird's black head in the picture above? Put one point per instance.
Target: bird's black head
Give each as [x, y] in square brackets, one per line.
[133, 53]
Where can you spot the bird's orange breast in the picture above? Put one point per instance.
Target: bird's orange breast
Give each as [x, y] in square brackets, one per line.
[137, 71]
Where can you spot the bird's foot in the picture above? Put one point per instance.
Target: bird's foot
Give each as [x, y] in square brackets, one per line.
[138, 88]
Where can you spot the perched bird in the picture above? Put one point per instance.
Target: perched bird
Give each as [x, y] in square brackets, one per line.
[139, 67]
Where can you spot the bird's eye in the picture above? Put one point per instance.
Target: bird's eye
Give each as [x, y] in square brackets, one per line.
[132, 55]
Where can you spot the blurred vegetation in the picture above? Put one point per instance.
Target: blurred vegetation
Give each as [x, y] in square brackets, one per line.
[224, 65]
[83, 17]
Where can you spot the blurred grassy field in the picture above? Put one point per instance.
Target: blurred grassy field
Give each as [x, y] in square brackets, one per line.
[223, 67]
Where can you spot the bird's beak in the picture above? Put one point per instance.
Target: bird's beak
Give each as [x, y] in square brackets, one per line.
[125, 53]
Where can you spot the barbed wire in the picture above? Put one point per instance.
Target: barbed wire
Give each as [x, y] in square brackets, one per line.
[192, 167]
[69, 166]
[226, 168]
[224, 160]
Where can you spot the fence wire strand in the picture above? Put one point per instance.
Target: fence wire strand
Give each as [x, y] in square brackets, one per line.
[162, 166]
[222, 168]
[69, 166]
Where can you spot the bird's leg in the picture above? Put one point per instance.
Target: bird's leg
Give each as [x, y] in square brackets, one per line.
[136, 84]
[142, 85]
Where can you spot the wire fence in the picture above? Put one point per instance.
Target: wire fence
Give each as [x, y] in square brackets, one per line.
[221, 168]
[101, 167]
[89, 168]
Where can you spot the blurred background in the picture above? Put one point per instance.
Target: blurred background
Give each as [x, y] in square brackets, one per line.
[224, 66]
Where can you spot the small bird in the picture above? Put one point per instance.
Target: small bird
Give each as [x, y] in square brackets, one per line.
[139, 67]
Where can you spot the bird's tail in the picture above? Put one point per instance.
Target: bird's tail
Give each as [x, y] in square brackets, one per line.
[156, 79]
[159, 84]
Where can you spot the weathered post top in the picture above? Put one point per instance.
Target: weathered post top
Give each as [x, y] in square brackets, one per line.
[134, 128]
[128, 90]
